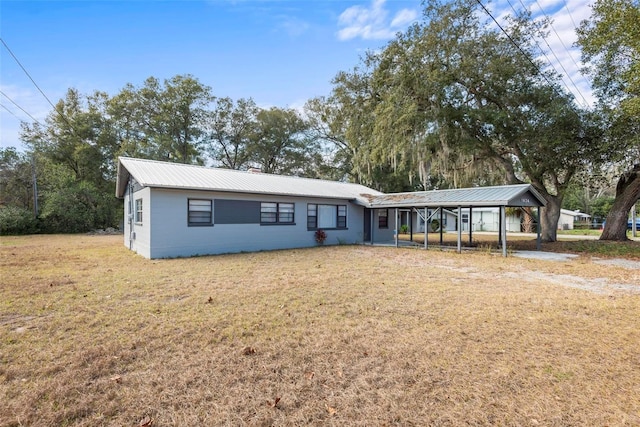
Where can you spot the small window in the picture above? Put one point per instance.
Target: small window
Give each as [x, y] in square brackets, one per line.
[277, 213]
[200, 212]
[326, 216]
[383, 218]
[139, 211]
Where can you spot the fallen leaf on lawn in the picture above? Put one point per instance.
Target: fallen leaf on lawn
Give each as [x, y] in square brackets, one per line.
[274, 404]
[310, 375]
[248, 351]
[146, 422]
[116, 378]
[210, 300]
[330, 410]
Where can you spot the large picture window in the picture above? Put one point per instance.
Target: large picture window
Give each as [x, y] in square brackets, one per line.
[277, 213]
[138, 217]
[200, 212]
[326, 216]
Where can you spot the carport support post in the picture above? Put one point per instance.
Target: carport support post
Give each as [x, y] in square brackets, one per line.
[396, 230]
[503, 230]
[426, 229]
[459, 229]
[538, 231]
[441, 219]
[470, 225]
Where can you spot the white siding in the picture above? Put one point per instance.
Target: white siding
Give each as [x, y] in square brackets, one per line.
[137, 235]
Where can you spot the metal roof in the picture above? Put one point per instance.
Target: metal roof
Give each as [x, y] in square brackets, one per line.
[503, 195]
[151, 173]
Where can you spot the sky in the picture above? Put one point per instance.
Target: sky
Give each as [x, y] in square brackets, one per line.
[278, 52]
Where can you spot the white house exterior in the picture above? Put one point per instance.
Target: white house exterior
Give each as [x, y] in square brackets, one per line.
[175, 210]
[568, 218]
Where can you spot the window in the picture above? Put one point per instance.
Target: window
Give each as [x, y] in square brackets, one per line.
[383, 218]
[326, 216]
[277, 213]
[139, 210]
[200, 212]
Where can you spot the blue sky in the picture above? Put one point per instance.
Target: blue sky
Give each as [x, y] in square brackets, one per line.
[278, 52]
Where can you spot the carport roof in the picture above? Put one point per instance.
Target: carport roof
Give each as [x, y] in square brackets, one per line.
[502, 195]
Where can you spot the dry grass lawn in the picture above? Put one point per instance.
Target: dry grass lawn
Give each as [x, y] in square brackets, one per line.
[94, 335]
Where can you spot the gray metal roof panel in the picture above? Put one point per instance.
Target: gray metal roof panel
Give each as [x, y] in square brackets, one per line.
[504, 195]
[151, 173]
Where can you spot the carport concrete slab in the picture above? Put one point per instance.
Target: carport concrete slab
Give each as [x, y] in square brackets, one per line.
[547, 256]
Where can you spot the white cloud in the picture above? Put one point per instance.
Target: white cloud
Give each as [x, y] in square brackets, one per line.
[372, 22]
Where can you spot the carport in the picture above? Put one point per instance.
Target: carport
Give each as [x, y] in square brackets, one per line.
[501, 197]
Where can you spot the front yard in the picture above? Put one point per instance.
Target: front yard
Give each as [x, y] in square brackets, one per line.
[92, 334]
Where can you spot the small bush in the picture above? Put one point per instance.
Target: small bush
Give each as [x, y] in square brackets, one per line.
[320, 236]
[404, 229]
[15, 220]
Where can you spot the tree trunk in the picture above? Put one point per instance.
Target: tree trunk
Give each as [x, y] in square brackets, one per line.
[627, 193]
[549, 216]
[528, 220]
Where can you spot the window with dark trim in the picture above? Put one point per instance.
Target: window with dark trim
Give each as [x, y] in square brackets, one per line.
[139, 211]
[277, 213]
[326, 216]
[383, 218]
[200, 212]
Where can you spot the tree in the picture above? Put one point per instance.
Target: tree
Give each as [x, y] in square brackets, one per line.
[230, 129]
[281, 143]
[16, 179]
[162, 121]
[610, 42]
[453, 101]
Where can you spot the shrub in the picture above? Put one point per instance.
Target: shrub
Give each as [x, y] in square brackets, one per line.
[404, 229]
[320, 236]
[15, 220]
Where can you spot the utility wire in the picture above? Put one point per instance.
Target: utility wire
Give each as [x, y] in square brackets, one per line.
[37, 87]
[11, 112]
[565, 48]
[22, 109]
[513, 42]
[534, 40]
[27, 73]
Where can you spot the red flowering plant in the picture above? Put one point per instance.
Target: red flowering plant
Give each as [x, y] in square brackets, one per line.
[320, 236]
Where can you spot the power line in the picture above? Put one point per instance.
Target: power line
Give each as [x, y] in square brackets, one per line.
[10, 112]
[565, 48]
[27, 73]
[513, 42]
[22, 109]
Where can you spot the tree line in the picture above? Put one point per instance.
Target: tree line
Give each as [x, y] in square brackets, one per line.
[453, 101]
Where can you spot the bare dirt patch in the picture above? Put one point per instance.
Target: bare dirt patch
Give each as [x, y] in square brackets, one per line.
[347, 335]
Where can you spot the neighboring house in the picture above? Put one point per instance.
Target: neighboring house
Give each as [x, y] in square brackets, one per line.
[569, 218]
[178, 210]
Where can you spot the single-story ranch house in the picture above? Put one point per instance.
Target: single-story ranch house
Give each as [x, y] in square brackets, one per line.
[178, 210]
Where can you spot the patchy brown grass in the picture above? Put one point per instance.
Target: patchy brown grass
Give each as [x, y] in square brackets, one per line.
[92, 334]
